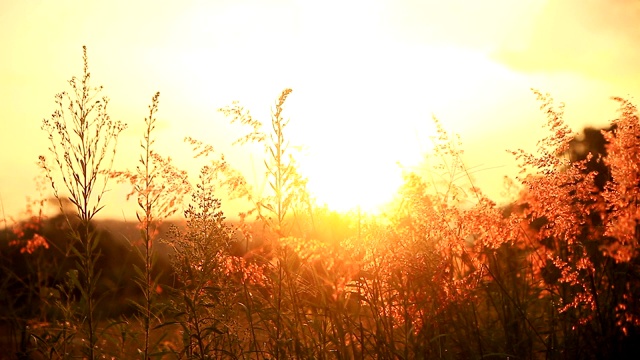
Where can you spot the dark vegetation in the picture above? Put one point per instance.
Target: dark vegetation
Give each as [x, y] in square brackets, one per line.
[445, 273]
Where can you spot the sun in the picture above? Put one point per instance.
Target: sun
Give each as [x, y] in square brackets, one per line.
[349, 184]
[359, 173]
[362, 142]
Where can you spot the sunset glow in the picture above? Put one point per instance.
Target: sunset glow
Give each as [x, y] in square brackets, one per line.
[295, 179]
[367, 76]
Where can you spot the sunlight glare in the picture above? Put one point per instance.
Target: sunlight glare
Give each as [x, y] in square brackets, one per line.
[366, 137]
[353, 183]
[360, 124]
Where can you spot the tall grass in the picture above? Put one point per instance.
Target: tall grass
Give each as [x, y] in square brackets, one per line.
[159, 188]
[203, 301]
[446, 273]
[83, 142]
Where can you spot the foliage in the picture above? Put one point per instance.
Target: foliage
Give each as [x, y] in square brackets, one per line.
[159, 188]
[83, 142]
[444, 273]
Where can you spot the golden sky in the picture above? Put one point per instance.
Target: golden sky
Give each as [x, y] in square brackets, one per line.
[366, 78]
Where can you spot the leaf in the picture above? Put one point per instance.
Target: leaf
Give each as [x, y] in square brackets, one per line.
[169, 323]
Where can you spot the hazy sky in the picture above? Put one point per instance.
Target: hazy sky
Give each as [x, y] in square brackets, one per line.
[366, 78]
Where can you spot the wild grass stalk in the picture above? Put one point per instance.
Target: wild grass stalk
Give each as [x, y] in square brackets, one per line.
[204, 300]
[147, 198]
[83, 141]
[159, 188]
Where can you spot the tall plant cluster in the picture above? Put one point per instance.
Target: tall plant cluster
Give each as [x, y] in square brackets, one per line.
[159, 188]
[83, 141]
[444, 273]
[583, 206]
[204, 297]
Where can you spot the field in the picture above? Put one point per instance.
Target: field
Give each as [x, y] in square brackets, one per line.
[442, 273]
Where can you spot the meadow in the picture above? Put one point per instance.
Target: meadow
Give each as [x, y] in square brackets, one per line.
[443, 272]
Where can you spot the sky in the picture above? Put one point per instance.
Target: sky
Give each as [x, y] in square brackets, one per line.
[367, 77]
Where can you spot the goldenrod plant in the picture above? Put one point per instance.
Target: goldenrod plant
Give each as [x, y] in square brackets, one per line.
[83, 141]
